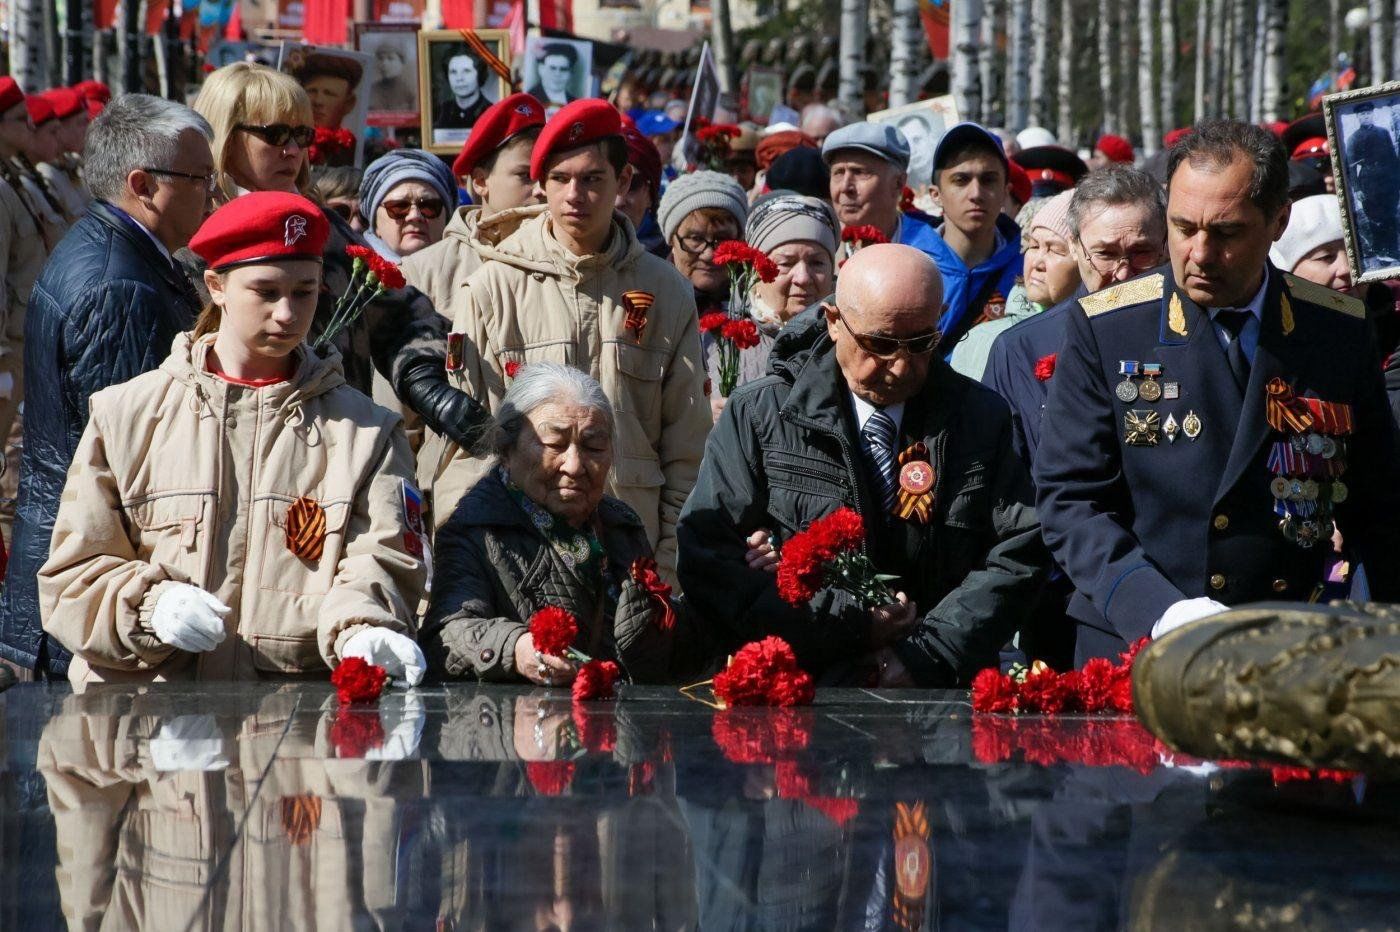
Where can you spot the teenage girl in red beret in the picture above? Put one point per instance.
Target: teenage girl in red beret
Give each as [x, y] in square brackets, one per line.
[240, 512]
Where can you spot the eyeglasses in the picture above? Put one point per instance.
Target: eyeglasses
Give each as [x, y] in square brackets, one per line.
[429, 207]
[1139, 260]
[346, 212]
[210, 181]
[277, 134]
[695, 244]
[889, 347]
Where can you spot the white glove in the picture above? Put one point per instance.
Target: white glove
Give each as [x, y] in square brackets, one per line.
[189, 742]
[399, 655]
[188, 618]
[403, 717]
[1184, 612]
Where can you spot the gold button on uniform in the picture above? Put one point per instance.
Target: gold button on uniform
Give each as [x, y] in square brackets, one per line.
[1217, 582]
[1221, 522]
[1280, 585]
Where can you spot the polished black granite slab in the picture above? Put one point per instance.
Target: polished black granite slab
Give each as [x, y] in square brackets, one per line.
[473, 807]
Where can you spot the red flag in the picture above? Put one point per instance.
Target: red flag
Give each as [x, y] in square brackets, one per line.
[104, 14]
[557, 14]
[155, 15]
[233, 32]
[458, 14]
[937, 18]
[325, 22]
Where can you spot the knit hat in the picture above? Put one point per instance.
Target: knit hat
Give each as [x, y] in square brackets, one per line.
[786, 217]
[1314, 221]
[698, 190]
[1053, 215]
[801, 170]
[405, 165]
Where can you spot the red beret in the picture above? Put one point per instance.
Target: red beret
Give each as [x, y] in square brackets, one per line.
[1176, 135]
[1312, 148]
[576, 125]
[498, 125]
[40, 110]
[1019, 182]
[94, 107]
[1116, 148]
[266, 226]
[66, 101]
[645, 159]
[10, 94]
[94, 90]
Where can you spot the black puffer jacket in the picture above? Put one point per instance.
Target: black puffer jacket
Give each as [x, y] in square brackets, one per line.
[786, 452]
[105, 310]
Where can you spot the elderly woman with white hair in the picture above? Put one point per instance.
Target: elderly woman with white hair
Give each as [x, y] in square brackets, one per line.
[537, 531]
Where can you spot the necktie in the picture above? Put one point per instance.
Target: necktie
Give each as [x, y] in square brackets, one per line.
[878, 435]
[1234, 324]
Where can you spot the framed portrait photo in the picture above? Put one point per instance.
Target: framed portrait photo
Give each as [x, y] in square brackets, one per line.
[335, 79]
[557, 71]
[1363, 132]
[923, 123]
[393, 82]
[765, 92]
[457, 81]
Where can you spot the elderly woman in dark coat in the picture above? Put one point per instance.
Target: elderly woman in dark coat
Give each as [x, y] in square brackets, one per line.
[538, 531]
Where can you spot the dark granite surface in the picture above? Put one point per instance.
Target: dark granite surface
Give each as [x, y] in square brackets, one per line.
[252, 807]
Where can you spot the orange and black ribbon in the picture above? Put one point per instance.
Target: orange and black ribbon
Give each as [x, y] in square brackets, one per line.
[301, 816]
[483, 51]
[637, 304]
[1286, 412]
[913, 505]
[306, 529]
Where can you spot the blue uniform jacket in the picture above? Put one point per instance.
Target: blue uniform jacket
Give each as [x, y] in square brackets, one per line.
[962, 285]
[1138, 527]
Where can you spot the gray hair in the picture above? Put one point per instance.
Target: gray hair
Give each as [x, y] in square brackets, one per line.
[1114, 186]
[542, 383]
[1217, 143]
[132, 132]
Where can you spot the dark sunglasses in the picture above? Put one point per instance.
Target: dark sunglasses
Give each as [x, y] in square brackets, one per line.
[347, 213]
[429, 207]
[888, 347]
[277, 134]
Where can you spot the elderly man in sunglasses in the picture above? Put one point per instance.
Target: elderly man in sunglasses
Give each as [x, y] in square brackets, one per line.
[861, 412]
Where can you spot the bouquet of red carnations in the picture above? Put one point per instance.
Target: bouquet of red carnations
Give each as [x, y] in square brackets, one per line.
[371, 275]
[1099, 686]
[714, 142]
[828, 555]
[864, 235]
[736, 330]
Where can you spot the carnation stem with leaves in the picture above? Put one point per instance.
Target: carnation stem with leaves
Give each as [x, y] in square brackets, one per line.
[371, 275]
[735, 329]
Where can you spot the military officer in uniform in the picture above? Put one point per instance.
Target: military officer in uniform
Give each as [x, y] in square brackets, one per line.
[1374, 165]
[1211, 421]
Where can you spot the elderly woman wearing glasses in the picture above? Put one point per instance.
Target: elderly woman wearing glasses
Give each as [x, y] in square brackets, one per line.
[404, 198]
[262, 128]
[697, 213]
[536, 532]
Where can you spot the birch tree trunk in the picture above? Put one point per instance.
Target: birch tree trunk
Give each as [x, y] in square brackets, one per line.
[1334, 32]
[1018, 71]
[1240, 44]
[1256, 57]
[1147, 75]
[1169, 53]
[1198, 102]
[1218, 55]
[989, 59]
[26, 27]
[904, 52]
[722, 43]
[850, 91]
[1380, 66]
[1040, 62]
[1125, 74]
[1107, 48]
[1273, 104]
[1064, 123]
[967, 33]
[1395, 39]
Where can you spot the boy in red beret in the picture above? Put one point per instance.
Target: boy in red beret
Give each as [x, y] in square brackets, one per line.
[574, 285]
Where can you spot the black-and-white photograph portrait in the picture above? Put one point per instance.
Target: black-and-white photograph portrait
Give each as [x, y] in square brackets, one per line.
[335, 79]
[923, 124]
[393, 82]
[1364, 128]
[557, 71]
[457, 84]
[765, 92]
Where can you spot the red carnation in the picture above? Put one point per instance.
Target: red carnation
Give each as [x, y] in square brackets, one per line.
[512, 367]
[1120, 696]
[1045, 367]
[742, 333]
[595, 680]
[1095, 685]
[864, 235]
[597, 729]
[355, 732]
[993, 691]
[828, 553]
[550, 777]
[356, 680]
[714, 320]
[363, 253]
[1043, 692]
[766, 268]
[764, 673]
[644, 574]
[761, 736]
[718, 133]
[735, 252]
[1135, 648]
[553, 630]
[387, 272]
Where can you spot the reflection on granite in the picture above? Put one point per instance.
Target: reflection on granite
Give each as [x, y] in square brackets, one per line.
[245, 807]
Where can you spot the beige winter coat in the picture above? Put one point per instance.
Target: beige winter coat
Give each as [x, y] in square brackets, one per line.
[182, 477]
[532, 301]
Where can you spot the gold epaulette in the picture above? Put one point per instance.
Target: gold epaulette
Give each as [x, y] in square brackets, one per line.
[1137, 291]
[1322, 296]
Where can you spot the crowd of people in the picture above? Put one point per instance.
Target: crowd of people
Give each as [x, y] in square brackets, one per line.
[1074, 403]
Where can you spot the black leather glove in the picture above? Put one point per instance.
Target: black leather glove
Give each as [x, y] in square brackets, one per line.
[449, 411]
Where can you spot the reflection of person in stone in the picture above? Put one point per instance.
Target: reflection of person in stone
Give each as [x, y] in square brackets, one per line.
[557, 61]
[392, 89]
[468, 102]
[1375, 167]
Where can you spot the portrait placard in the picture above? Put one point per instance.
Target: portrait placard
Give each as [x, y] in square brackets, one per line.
[458, 78]
[1363, 127]
[923, 123]
[393, 82]
[557, 71]
[335, 79]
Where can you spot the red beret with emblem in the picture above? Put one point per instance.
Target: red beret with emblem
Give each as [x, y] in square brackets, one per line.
[1315, 148]
[578, 124]
[266, 226]
[10, 94]
[40, 110]
[1115, 148]
[66, 101]
[94, 90]
[1019, 182]
[502, 122]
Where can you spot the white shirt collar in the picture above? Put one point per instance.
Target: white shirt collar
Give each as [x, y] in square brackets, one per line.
[144, 229]
[864, 409]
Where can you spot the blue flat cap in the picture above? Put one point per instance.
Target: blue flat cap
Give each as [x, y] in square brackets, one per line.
[655, 122]
[879, 139]
[963, 134]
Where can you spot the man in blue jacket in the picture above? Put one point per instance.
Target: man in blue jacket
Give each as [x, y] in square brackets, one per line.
[105, 309]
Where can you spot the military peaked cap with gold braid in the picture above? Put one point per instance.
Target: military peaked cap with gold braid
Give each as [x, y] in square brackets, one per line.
[1136, 291]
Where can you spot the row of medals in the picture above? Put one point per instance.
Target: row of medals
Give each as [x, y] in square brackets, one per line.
[1141, 427]
[1303, 503]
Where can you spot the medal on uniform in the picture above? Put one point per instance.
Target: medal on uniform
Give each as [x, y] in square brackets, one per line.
[454, 351]
[306, 529]
[1150, 390]
[1171, 390]
[1127, 390]
[1338, 492]
[1140, 428]
[637, 303]
[916, 478]
[1279, 487]
[1191, 425]
[1170, 428]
